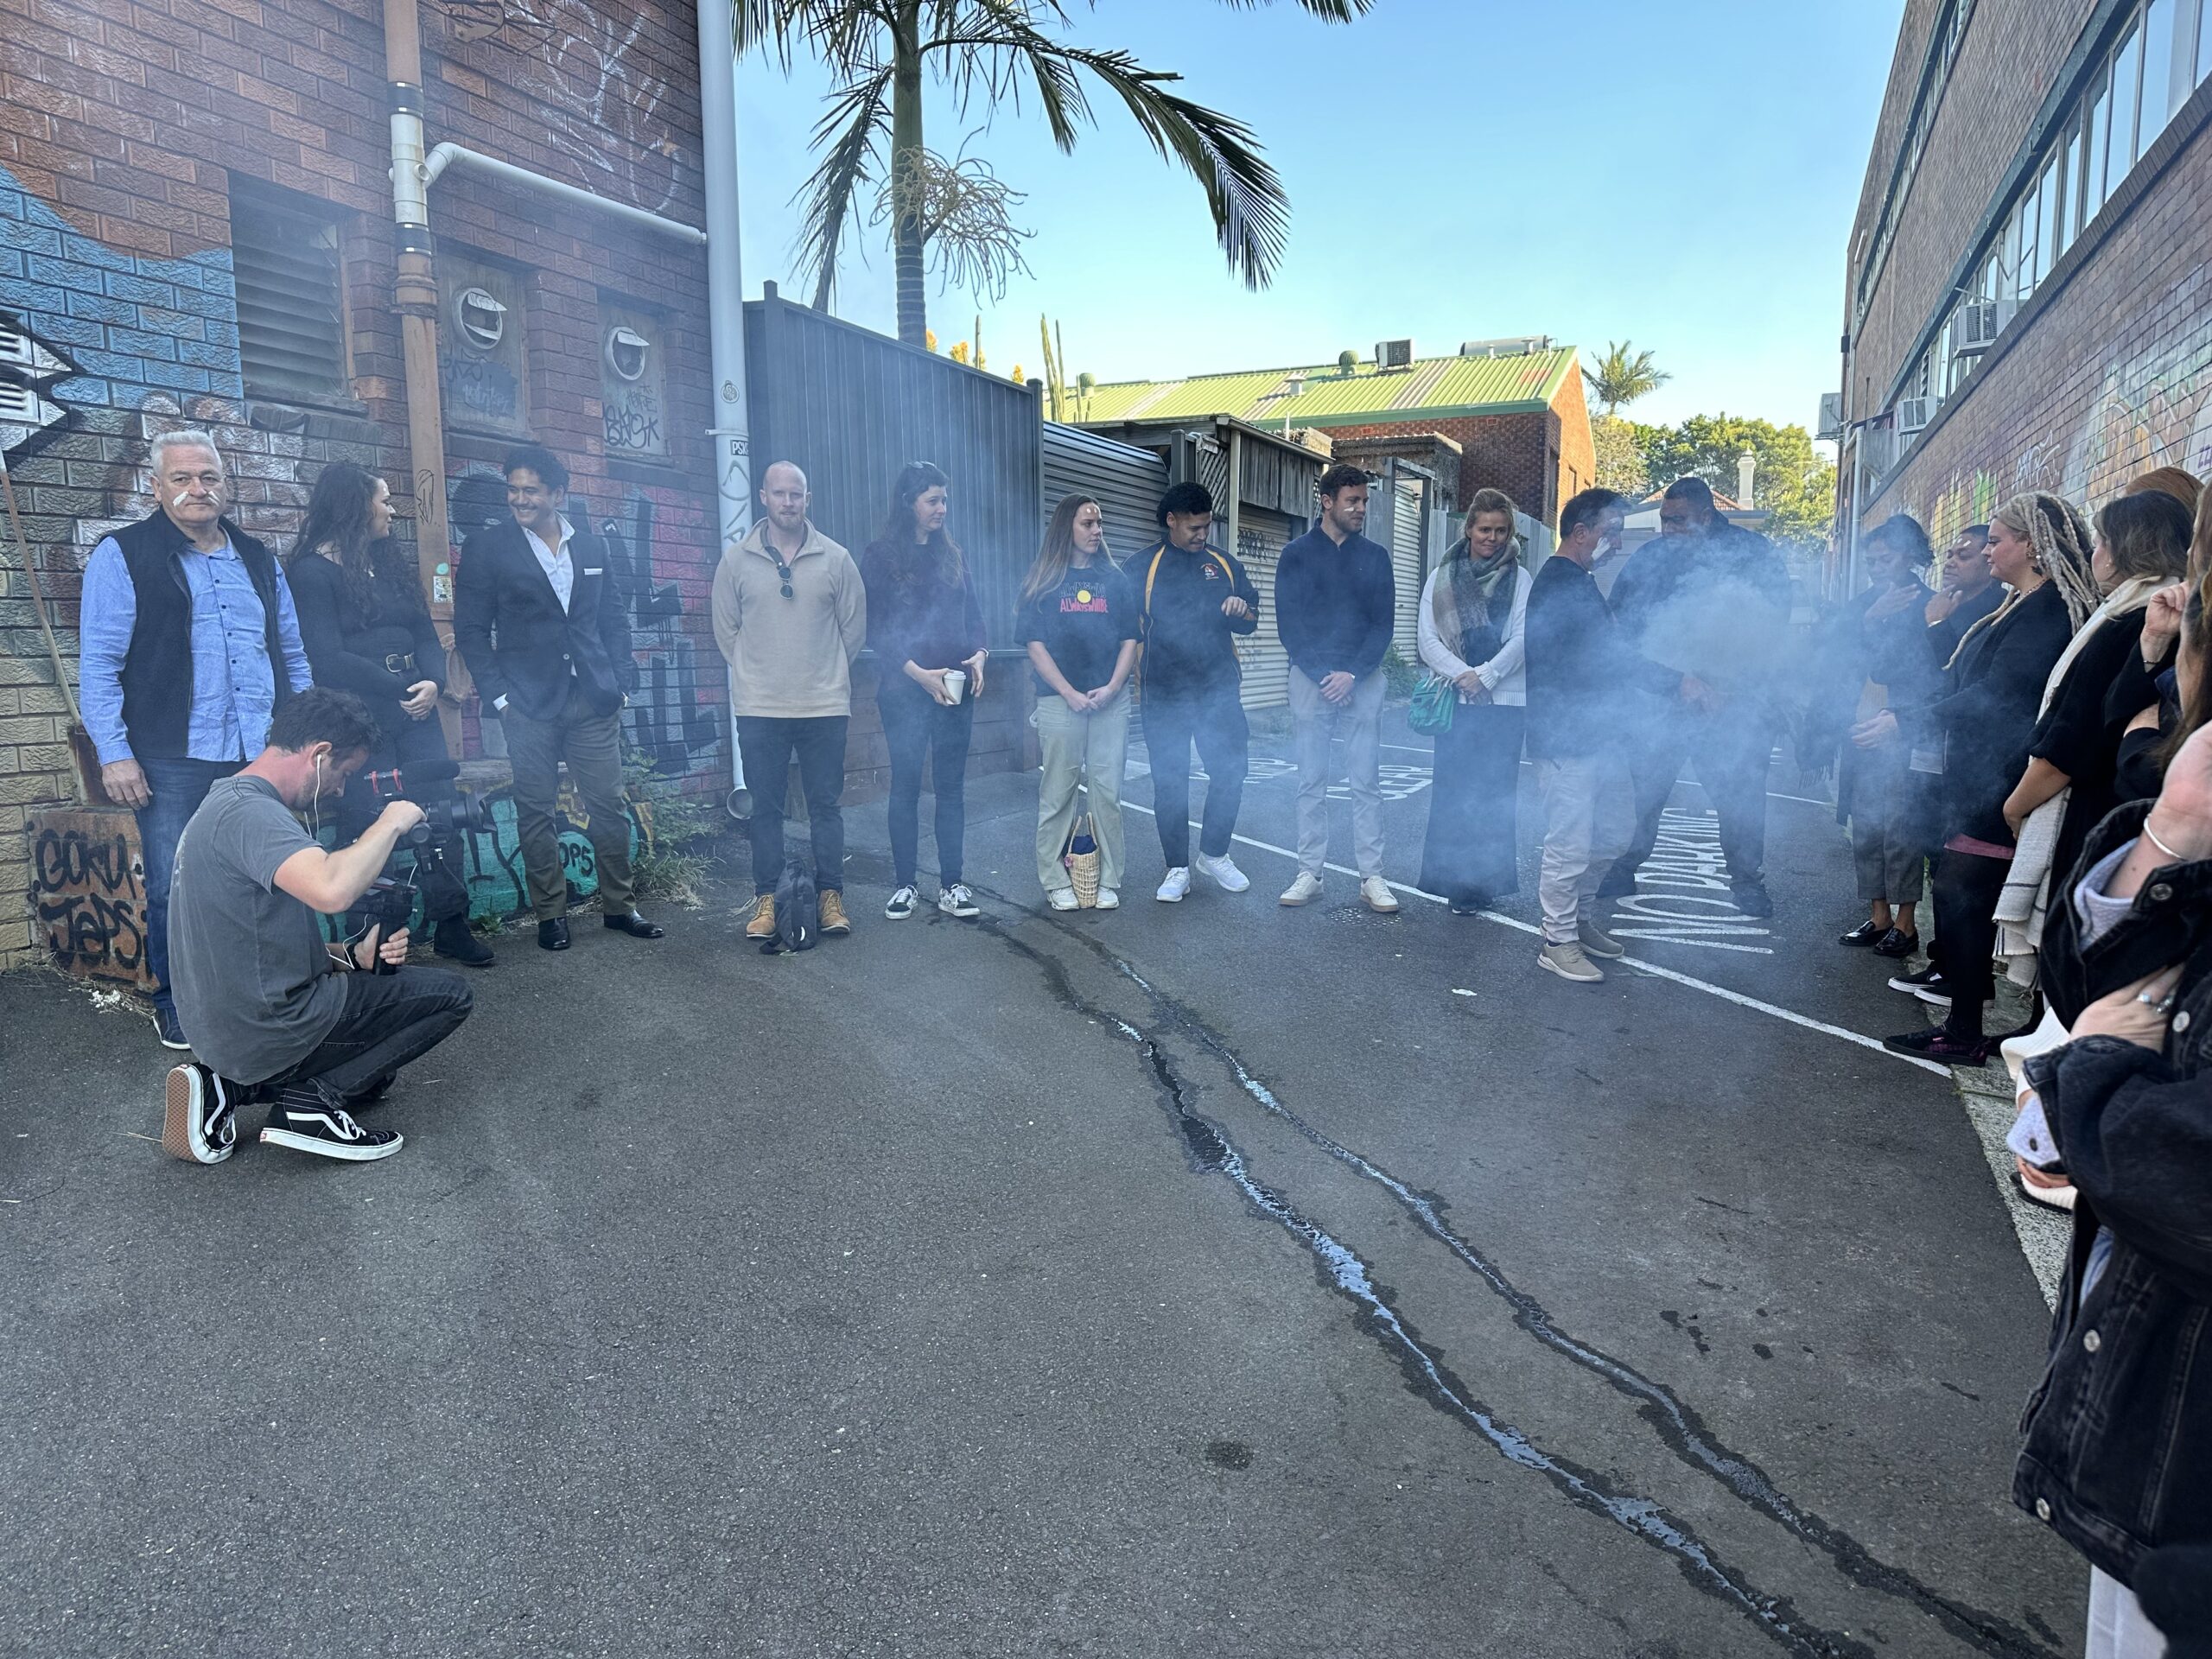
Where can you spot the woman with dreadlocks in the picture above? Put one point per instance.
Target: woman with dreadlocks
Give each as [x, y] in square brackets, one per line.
[1980, 728]
[1473, 621]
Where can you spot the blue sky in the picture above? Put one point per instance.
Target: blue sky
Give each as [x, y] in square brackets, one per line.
[1454, 175]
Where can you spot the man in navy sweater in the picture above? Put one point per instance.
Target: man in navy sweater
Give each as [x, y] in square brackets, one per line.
[1335, 602]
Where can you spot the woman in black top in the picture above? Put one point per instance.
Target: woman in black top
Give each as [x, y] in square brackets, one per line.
[1978, 732]
[1885, 801]
[2142, 545]
[1078, 622]
[927, 633]
[368, 631]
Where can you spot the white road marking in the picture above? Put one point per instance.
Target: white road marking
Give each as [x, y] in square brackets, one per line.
[1692, 783]
[1721, 991]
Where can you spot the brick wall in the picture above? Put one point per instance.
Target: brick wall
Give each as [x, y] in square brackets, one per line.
[1522, 454]
[126, 121]
[2105, 373]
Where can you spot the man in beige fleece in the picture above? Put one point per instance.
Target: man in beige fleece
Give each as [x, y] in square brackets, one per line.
[789, 616]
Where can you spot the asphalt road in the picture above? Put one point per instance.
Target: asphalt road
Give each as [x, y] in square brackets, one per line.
[1185, 1281]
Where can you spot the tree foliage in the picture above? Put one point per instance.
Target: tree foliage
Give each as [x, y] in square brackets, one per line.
[1620, 377]
[997, 55]
[1793, 481]
[1620, 461]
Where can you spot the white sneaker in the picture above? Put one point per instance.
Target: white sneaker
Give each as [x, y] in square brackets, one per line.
[1376, 893]
[1568, 963]
[1061, 899]
[1304, 891]
[1108, 899]
[901, 905]
[1224, 873]
[1177, 883]
[957, 901]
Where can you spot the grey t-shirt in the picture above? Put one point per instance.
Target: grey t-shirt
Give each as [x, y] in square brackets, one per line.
[255, 986]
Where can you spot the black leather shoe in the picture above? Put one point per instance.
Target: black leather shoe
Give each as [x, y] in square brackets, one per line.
[553, 935]
[1894, 944]
[1866, 933]
[635, 925]
[1751, 898]
[453, 939]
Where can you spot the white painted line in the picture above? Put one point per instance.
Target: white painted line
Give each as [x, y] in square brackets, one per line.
[1653, 969]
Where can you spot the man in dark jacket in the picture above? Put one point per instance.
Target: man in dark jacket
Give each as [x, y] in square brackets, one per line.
[1711, 601]
[1195, 600]
[1581, 677]
[1336, 601]
[541, 628]
[189, 647]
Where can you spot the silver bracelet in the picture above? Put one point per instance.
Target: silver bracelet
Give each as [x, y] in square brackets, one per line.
[2160, 845]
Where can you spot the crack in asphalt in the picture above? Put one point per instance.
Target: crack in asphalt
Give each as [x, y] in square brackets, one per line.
[1678, 1425]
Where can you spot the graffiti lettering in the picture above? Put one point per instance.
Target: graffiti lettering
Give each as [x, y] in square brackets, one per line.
[480, 386]
[88, 894]
[634, 422]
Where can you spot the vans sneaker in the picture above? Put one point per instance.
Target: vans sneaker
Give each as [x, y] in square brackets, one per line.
[307, 1117]
[957, 901]
[902, 905]
[1568, 963]
[1224, 872]
[199, 1115]
[1177, 884]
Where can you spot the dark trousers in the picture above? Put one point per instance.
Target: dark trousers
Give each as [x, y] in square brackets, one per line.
[768, 746]
[1472, 853]
[592, 745]
[1731, 752]
[1968, 887]
[441, 874]
[1212, 717]
[917, 727]
[389, 1019]
[177, 788]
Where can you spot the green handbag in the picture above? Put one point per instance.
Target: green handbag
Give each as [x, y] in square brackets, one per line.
[1434, 699]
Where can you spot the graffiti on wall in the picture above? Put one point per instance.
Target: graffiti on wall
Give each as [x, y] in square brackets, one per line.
[88, 893]
[668, 719]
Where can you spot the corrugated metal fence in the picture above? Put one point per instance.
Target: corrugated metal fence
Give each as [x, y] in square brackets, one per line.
[1126, 482]
[851, 407]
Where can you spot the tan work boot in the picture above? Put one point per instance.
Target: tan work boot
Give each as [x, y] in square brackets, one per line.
[834, 919]
[763, 925]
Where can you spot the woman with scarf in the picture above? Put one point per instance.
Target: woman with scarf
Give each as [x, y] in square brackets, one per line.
[1472, 621]
[1977, 736]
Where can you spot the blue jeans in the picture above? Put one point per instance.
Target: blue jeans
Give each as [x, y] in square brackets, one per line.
[177, 787]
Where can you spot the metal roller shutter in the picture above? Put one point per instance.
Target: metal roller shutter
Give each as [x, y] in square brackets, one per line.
[1261, 537]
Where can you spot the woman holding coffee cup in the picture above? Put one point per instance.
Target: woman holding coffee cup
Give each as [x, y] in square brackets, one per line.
[927, 633]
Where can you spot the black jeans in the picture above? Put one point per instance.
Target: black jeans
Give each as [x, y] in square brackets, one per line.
[389, 1018]
[440, 872]
[1968, 887]
[915, 726]
[768, 746]
[1731, 752]
[1212, 717]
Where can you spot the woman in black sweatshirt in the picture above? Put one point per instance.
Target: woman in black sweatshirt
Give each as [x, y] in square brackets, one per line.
[368, 631]
[927, 633]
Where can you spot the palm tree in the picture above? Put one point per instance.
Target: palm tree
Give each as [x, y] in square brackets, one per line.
[1619, 378]
[998, 51]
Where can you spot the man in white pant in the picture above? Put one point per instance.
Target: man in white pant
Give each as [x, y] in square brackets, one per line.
[1335, 598]
[1583, 686]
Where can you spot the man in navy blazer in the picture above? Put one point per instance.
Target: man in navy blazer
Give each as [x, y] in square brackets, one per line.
[541, 628]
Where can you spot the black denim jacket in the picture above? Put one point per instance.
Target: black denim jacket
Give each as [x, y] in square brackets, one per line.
[2117, 1452]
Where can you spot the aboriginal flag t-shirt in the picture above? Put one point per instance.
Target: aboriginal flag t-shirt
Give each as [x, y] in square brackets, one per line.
[1083, 623]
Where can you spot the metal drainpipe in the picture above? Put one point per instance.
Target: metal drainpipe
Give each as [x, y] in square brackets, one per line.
[417, 298]
[731, 433]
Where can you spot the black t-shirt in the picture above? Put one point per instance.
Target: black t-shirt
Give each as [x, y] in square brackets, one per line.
[1083, 623]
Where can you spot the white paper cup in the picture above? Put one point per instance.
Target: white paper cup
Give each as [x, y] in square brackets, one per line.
[956, 683]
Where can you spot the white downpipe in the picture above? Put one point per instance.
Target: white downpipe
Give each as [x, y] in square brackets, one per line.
[731, 433]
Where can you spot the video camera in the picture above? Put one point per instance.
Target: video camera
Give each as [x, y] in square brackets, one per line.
[390, 901]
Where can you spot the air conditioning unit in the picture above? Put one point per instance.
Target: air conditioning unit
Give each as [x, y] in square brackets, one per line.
[1511, 345]
[1394, 355]
[1974, 330]
[1831, 423]
[1914, 413]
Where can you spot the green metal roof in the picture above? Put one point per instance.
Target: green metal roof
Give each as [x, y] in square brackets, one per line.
[1432, 388]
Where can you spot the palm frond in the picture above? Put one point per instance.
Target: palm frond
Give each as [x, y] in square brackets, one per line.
[856, 127]
[1329, 11]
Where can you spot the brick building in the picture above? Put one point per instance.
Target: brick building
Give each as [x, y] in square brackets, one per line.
[2029, 304]
[1514, 408]
[196, 228]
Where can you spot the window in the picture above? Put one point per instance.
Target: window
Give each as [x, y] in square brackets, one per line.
[1943, 42]
[2158, 72]
[2099, 125]
[291, 308]
[2204, 44]
[2047, 213]
[2126, 73]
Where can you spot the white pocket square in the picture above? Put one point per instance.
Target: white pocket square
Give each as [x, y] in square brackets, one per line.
[595, 570]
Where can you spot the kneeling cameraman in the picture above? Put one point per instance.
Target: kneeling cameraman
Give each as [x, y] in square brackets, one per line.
[275, 1013]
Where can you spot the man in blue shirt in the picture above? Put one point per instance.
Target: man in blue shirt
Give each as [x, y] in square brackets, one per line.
[189, 645]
